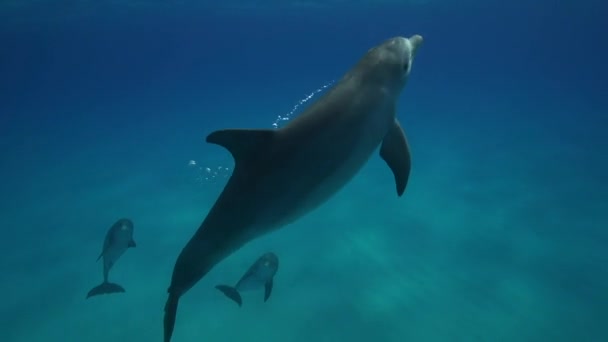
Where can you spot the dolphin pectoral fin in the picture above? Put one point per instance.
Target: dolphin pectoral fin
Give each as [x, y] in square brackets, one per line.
[243, 144]
[170, 313]
[231, 293]
[395, 151]
[268, 289]
[105, 288]
[132, 244]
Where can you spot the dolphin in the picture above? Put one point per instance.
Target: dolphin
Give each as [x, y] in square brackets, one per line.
[261, 273]
[118, 239]
[282, 174]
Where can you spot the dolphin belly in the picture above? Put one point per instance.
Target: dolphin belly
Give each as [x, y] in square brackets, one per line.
[251, 283]
[255, 279]
[310, 177]
[110, 257]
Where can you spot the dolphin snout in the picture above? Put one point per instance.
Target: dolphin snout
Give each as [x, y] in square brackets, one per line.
[416, 41]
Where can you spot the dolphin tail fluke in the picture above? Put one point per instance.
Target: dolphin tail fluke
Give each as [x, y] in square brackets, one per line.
[105, 288]
[170, 313]
[231, 293]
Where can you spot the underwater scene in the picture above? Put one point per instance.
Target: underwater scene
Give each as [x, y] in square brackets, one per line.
[304, 170]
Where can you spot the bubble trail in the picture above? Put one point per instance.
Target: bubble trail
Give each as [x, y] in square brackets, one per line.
[287, 116]
[210, 174]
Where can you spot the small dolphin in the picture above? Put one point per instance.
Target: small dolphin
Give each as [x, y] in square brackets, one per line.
[118, 239]
[282, 174]
[261, 273]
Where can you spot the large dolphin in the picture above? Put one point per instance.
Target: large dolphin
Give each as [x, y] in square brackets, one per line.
[282, 174]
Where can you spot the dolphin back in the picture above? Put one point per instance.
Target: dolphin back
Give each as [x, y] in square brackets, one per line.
[170, 313]
[105, 288]
[231, 293]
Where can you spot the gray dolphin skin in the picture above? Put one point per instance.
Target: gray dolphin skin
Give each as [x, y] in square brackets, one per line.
[260, 274]
[282, 174]
[118, 239]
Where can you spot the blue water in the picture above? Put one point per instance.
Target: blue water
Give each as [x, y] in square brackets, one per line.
[500, 236]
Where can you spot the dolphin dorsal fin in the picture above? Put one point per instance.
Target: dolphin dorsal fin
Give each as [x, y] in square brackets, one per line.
[244, 144]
